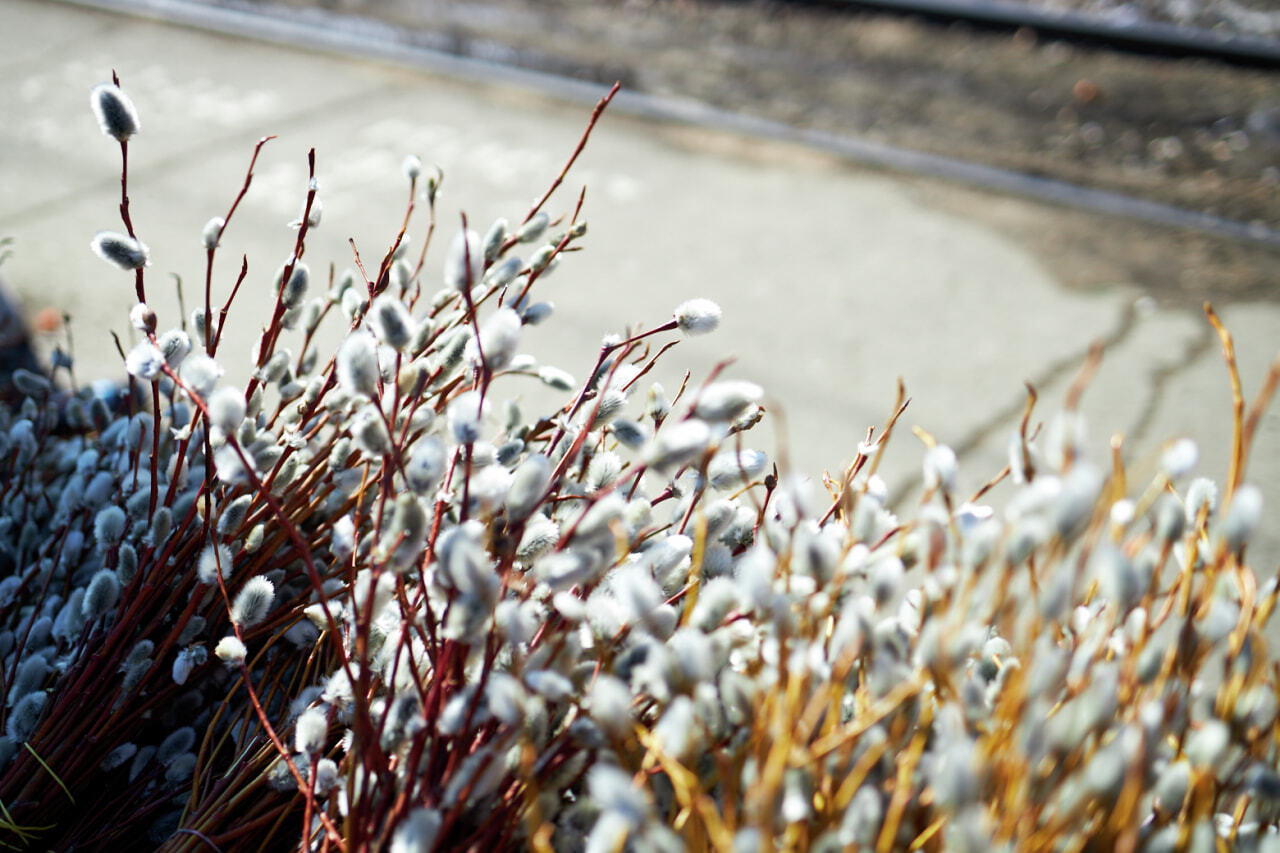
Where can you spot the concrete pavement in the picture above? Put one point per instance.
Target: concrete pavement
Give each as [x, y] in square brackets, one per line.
[834, 280]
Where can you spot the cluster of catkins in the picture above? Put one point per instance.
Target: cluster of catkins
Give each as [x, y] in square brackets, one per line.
[367, 601]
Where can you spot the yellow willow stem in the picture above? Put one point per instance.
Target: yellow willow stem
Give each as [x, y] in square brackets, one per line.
[49, 770]
[866, 719]
[902, 792]
[688, 793]
[1237, 405]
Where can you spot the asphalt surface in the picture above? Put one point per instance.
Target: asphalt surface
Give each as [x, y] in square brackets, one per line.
[834, 280]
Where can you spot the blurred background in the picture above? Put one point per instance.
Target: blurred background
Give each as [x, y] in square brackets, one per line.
[963, 195]
[1169, 100]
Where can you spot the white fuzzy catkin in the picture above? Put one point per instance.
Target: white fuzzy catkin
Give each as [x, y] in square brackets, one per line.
[212, 559]
[656, 404]
[629, 433]
[185, 662]
[609, 703]
[161, 525]
[723, 401]
[540, 533]
[426, 465]
[233, 515]
[408, 528]
[542, 259]
[115, 112]
[1180, 458]
[231, 467]
[313, 214]
[494, 238]
[118, 756]
[940, 468]
[180, 740]
[145, 361]
[369, 433]
[201, 373]
[31, 675]
[612, 403]
[295, 290]
[524, 362]
[417, 832]
[499, 337]
[120, 249]
[391, 321]
[464, 415]
[537, 313]
[604, 468]
[212, 233]
[126, 562]
[533, 228]
[677, 731]
[253, 602]
[310, 731]
[528, 486]
[175, 344]
[276, 368]
[1242, 517]
[357, 364]
[143, 318]
[32, 384]
[677, 444]
[102, 595]
[1202, 497]
[697, 316]
[25, 716]
[465, 249]
[731, 469]
[502, 274]
[226, 409]
[353, 303]
[108, 526]
[231, 650]
[554, 377]
[327, 776]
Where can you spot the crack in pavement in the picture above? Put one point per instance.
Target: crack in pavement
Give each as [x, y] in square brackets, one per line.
[1008, 413]
[1159, 378]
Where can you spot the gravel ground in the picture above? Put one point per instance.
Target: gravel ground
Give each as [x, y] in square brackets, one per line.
[1252, 17]
[1195, 133]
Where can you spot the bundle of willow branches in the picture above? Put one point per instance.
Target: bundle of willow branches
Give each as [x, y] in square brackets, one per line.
[364, 601]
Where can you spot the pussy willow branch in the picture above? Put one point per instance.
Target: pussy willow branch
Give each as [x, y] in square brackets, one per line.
[605, 351]
[385, 267]
[431, 227]
[272, 333]
[582, 143]
[124, 201]
[209, 343]
[291, 529]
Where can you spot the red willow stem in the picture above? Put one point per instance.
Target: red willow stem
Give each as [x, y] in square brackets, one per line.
[124, 201]
[155, 451]
[208, 274]
[226, 306]
[485, 373]
[582, 143]
[290, 529]
[385, 267]
[605, 350]
[272, 334]
[331, 830]
[534, 274]
[431, 230]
